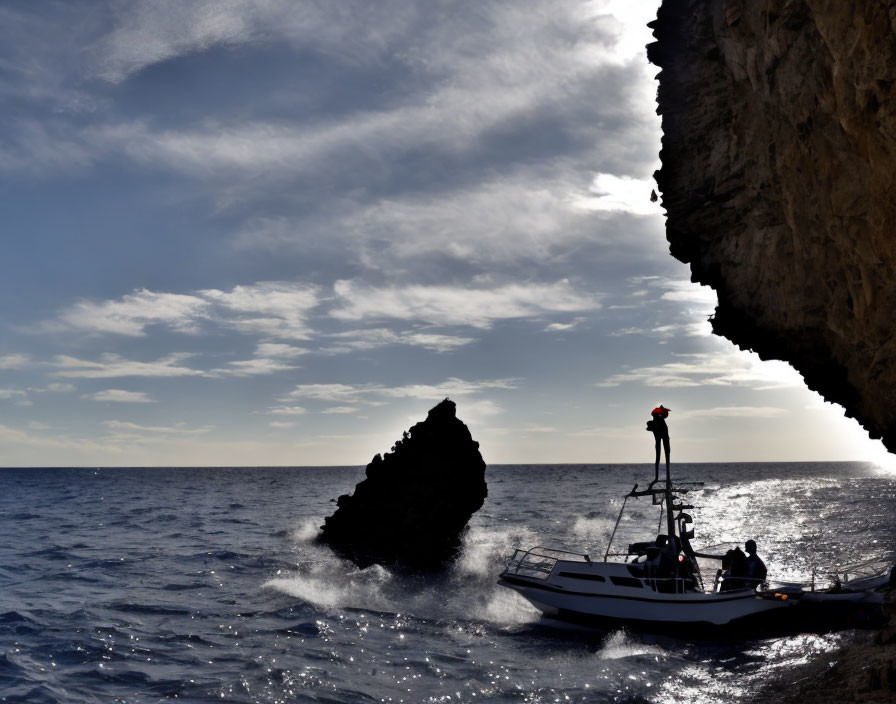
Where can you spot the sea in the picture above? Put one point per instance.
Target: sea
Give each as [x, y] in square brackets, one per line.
[206, 584]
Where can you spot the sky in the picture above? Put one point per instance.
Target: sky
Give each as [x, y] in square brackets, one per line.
[269, 232]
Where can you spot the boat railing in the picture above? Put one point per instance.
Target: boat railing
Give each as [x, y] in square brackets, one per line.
[669, 585]
[857, 571]
[538, 562]
[728, 583]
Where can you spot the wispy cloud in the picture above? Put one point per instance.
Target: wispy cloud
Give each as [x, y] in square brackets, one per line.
[279, 350]
[469, 95]
[688, 292]
[449, 387]
[668, 288]
[457, 305]
[363, 393]
[287, 411]
[700, 329]
[149, 34]
[179, 429]
[132, 313]
[274, 309]
[668, 331]
[259, 366]
[144, 35]
[113, 365]
[563, 327]
[14, 361]
[434, 341]
[324, 392]
[120, 396]
[517, 218]
[61, 387]
[7, 394]
[373, 338]
[465, 87]
[282, 311]
[734, 412]
[627, 331]
[704, 369]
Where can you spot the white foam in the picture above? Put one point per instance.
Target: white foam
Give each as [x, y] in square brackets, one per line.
[474, 591]
[592, 532]
[469, 589]
[484, 551]
[506, 607]
[330, 585]
[619, 645]
[307, 531]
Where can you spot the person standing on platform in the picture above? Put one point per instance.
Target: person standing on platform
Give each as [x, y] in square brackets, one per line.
[657, 425]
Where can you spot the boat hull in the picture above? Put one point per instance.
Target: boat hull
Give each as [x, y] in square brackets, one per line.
[736, 612]
[648, 608]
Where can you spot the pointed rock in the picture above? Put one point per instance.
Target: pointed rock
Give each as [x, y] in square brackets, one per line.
[414, 505]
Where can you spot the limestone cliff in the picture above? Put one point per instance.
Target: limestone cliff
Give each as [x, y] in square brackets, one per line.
[779, 182]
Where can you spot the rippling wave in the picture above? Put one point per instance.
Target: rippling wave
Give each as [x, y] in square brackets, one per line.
[197, 584]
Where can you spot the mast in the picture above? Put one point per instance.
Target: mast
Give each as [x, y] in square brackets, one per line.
[670, 519]
[670, 525]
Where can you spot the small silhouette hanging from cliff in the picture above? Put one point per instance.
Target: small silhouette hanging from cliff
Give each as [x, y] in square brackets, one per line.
[657, 425]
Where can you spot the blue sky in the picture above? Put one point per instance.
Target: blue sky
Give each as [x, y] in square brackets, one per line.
[277, 232]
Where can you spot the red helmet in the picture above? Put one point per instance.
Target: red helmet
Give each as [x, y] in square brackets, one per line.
[660, 411]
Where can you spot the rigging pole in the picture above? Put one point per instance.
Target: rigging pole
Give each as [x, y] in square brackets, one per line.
[670, 520]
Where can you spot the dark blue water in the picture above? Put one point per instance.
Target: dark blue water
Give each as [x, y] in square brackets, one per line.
[142, 585]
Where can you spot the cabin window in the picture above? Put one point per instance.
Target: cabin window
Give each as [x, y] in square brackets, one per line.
[626, 582]
[579, 575]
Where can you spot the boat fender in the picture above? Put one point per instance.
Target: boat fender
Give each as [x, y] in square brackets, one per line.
[774, 596]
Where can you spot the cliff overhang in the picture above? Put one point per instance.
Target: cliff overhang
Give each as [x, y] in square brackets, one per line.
[779, 183]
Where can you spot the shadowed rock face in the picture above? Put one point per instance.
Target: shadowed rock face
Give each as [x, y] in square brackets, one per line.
[779, 181]
[413, 507]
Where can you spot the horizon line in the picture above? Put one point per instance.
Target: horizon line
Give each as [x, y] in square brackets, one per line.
[496, 464]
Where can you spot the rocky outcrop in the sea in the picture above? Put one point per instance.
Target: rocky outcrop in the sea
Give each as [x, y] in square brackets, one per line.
[414, 505]
[779, 182]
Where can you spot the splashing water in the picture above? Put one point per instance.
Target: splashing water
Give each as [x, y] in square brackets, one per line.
[208, 584]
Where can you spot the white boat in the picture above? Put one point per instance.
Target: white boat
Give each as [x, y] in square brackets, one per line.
[659, 584]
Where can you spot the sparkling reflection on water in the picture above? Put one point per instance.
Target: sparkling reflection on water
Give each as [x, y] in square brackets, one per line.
[206, 584]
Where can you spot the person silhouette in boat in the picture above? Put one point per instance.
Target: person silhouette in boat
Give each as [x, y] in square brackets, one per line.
[756, 570]
[657, 425]
[734, 570]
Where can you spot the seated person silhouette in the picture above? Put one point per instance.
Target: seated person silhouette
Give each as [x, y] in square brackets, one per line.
[756, 570]
[662, 565]
[734, 571]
